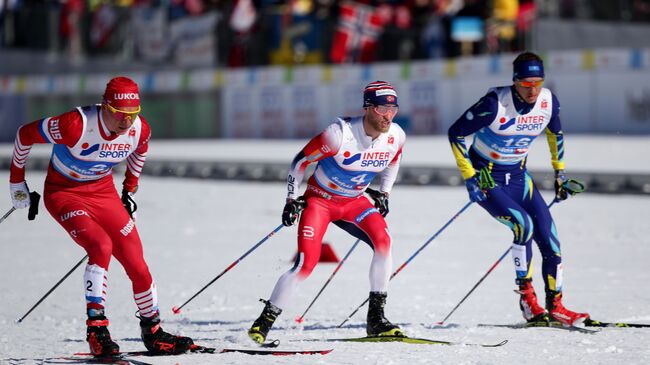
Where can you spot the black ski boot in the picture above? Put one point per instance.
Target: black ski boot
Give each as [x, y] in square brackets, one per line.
[98, 337]
[264, 322]
[160, 342]
[377, 324]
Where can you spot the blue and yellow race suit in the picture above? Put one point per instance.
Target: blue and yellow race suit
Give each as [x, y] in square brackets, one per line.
[504, 126]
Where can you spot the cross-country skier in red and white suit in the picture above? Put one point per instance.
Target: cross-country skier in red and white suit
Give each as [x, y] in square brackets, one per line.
[349, 153]
[81, 196]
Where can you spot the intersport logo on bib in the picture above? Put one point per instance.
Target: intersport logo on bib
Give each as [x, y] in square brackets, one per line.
[126, 96]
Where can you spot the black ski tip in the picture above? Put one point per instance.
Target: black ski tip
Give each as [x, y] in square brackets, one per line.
[498, 344]
[542, 324]
[594, 323]
[202, 349]
[271, 344]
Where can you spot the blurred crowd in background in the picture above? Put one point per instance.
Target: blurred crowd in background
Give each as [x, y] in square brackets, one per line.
[238, 33]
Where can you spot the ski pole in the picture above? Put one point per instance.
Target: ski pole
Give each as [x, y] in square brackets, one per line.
[177, 310]
[411, 258]
[51, 290]
[476, 285]
[7, 214]
[302, 317]
[496, 263]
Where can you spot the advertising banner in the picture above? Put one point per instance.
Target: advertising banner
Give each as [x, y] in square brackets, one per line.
[12, 116]
[194, 40]
[623, 106]
[309, 103]
[600, 91]
[151, 33]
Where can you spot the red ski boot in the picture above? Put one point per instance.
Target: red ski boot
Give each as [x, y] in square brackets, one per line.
[559, 313]
[530, 309]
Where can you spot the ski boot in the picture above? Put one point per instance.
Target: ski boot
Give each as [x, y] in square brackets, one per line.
[559, 313]
[264, 322]
[98, 337]
[530, 309]
[160, 342]
[377, 324]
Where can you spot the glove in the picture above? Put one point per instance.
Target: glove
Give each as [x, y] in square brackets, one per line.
[475, 192]
[20, 195]
[129, 204]
[560, 191]
[292, 211]
[380, 199]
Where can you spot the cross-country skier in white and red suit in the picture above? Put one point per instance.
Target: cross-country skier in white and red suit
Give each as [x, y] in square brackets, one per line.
[81, 196]
[349, 153]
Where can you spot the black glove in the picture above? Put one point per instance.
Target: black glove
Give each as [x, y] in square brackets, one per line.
[381, 200]
[292, 211]
[33, 205]
[560, 190]
[128, 202]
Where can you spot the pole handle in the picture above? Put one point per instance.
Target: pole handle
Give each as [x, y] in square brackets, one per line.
[34, 198]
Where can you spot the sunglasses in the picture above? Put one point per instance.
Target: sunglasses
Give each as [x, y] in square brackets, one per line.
[535, 84]
[385, 109]
[121, 114]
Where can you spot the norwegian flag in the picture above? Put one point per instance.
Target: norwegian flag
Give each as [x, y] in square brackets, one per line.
[356, 37]
[104, 21]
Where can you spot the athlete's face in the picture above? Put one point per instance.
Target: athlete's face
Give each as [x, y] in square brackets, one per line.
[119, 121]
[529, 88]
[379, 118]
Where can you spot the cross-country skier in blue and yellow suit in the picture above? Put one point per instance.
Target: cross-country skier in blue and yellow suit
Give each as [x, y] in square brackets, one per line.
[505, 122]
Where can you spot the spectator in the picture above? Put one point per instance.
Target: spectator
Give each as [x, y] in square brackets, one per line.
[501, 26]
[70, 30]
[525, 20]
[467, 29]
[434, 36]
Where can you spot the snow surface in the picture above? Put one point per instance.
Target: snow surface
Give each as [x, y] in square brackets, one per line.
[192, 230]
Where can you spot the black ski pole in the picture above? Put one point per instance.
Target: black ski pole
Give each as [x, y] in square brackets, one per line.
[476, 285]
[51, 290]
[484, 276]
[411, 258]
[573, 187]
[177, 310]
[7, 214]
[302, 317]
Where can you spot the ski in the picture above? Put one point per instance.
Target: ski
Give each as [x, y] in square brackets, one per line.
[410, 340]
[270, 344]
[196, 349]
[118, 359]
[593, 323]
[278, 352]
[123, 356]
[542, 324]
